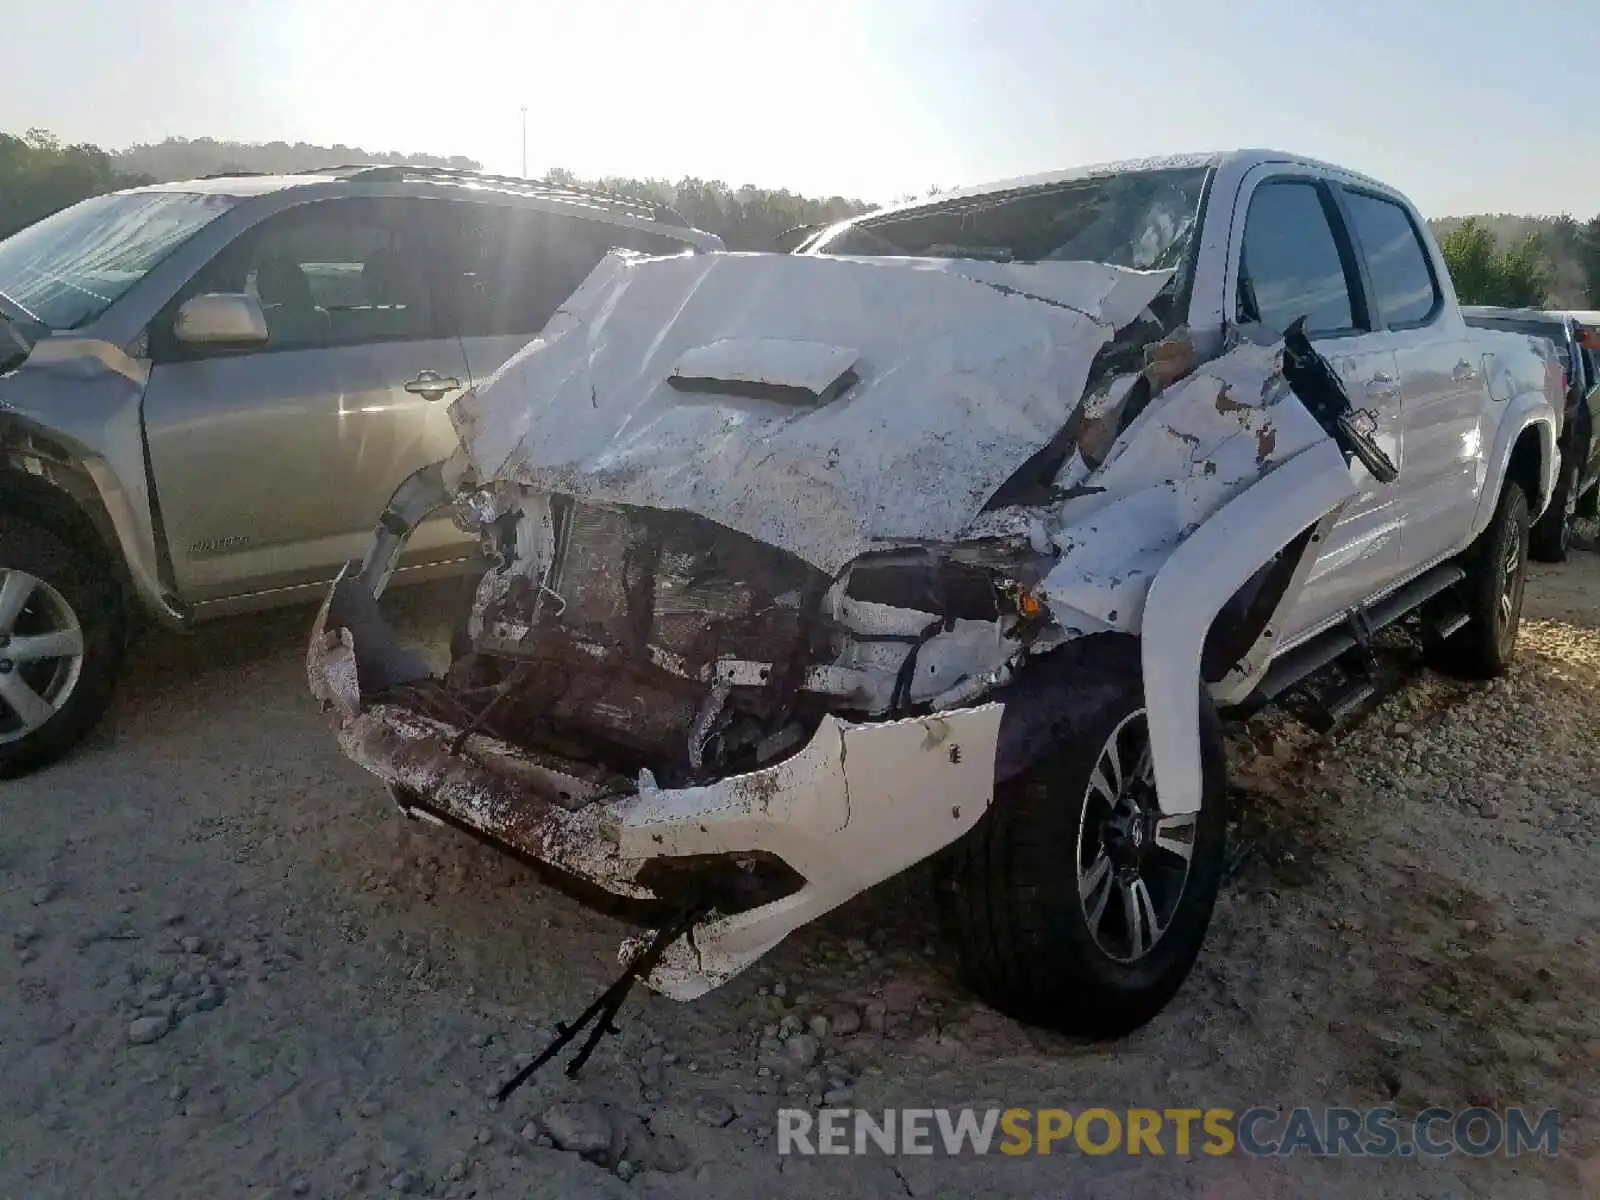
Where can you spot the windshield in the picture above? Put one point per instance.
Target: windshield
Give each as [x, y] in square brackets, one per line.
[68, 268]
[1141, 219]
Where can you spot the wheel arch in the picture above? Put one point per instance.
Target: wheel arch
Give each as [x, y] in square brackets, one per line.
[61, 497]
[1524, 453]
[1198, 580]
[78, 497]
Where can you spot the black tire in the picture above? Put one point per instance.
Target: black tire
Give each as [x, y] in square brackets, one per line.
[80, 581]
[1551, 536]
[1009, 890]
[1496, 570]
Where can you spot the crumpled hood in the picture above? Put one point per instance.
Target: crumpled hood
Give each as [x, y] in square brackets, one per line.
[949, 375]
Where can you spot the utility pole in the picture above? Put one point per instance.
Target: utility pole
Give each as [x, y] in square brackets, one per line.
[524, 141]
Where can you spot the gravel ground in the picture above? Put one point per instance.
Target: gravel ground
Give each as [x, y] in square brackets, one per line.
[235, 971]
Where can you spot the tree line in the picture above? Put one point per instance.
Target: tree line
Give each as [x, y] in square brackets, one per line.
[40, 174]
[1523, 261]
[1499, 259]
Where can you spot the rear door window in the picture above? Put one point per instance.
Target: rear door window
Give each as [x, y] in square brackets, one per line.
[1403, 286]
[1291, 266]
[508, 269]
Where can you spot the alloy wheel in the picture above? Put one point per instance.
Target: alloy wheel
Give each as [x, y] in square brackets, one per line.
[1132, 860]
[41, 653]
[1512, 579]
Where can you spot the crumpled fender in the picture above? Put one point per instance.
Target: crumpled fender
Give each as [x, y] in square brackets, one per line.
[1197, 580]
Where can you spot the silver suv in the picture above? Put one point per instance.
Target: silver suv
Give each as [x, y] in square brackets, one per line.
[208, 390]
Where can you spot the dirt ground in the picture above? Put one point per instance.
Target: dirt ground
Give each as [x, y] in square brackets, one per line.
[236, 971]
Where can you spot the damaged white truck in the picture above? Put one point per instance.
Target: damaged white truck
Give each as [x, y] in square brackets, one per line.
[946, 537]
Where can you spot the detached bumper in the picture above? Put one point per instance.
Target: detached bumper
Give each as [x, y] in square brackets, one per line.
[856, 805]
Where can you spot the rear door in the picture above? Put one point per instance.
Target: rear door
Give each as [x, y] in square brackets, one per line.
[1293, 258]
[1443, 399]
[272, 464]
[508, 268]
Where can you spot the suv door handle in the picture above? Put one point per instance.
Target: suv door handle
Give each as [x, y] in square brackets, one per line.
[1463, 372]
[431, 385]
[1383, 384]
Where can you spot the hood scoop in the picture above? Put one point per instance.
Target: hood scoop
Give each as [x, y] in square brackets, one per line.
[782, 369]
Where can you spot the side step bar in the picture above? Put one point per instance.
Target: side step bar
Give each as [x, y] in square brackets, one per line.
[1306, 660]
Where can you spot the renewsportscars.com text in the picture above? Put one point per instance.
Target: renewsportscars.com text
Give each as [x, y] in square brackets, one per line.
[1258, 1132]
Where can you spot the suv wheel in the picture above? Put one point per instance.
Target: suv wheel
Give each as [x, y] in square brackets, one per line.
[1075, 903]
[1496, 569]
[60, 645]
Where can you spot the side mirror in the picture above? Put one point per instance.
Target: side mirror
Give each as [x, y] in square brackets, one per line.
[221, 319]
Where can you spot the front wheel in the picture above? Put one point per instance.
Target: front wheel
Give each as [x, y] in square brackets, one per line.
[1076, 903]
[60, 645]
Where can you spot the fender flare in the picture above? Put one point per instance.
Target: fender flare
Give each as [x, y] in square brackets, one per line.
[56, 473]
[1522, 411]
[1196, 581]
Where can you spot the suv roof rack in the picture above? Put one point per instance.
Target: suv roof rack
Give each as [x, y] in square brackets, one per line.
[393, 172]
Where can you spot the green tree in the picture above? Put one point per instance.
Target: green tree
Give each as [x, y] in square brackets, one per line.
[1484, 274]
[38, 175]
[1588, 247]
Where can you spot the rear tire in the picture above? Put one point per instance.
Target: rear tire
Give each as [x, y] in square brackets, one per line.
[1040, 928]
[1496, 570]
[61, 642]
[1551, 536]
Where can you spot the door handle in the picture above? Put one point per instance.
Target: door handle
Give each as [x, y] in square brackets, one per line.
[1463, 372]
[431, 385]
[1381, 385]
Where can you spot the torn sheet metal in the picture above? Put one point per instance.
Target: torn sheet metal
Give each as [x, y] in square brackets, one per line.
[965, 370]
[1198, 444]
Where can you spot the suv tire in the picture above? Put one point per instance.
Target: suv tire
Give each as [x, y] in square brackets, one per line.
[1496, 569]
[1035, 897]
[61, 641]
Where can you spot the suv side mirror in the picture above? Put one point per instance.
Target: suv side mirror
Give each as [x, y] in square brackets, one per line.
[220, 319]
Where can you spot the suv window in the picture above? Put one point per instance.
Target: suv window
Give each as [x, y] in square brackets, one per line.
[1291, 265]
[1402, 281]
[333, 273]
[508, 268]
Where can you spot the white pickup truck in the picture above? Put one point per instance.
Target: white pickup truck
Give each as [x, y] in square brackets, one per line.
[947, 536]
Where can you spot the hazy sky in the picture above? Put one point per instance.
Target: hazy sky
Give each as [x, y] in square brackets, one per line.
[1469, 105]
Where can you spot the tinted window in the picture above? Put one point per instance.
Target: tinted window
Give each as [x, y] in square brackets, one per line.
[1291, 266]
[1396, 261]
[509, 268]
[333, 273]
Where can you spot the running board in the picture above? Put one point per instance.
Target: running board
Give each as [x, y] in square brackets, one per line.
[1310, 658]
